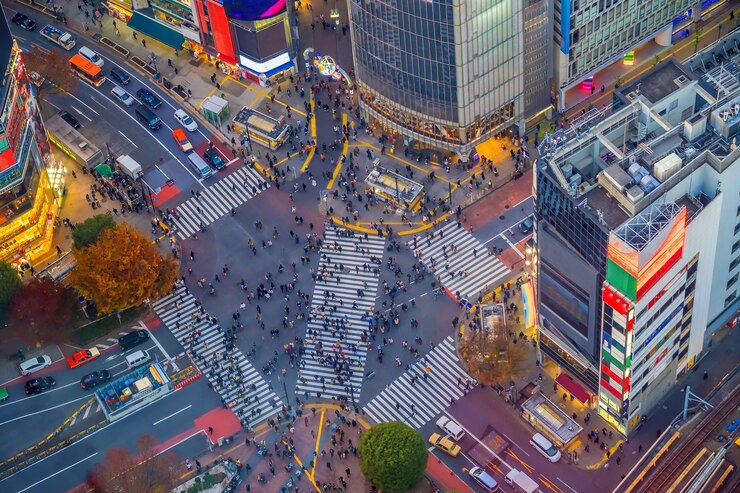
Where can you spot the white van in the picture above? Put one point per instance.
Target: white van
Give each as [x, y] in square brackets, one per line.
[137, 358]
[92, 56]
[545, 447]
[199, 165]
[122, 96]
[450, 427]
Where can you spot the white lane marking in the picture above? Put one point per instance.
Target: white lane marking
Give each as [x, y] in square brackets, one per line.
[45, 50]
[470, 434]
[173, 414]
[87, 411]
[79, 100]
[199, 432]
[159, 345]
[516, 444]
[57, 473]
[161, 171]
[566, 485]
[80, 112]
[126, 137]
[513, 225]
[17, 418]
[512, 245]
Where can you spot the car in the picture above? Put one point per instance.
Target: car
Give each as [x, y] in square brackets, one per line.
[82, 357]
[3, 393]
[69, 118]
[186, 121]
[92, 55]
[24, 21]
[526, 226]
[451, 427]
[149, 98]
[214, 159]
[179, 135]
[94, 379]
[38, 385]
[118, 74]
[444, 444]
[35, 364]
[124, 97]
[483, 478]
[133, 339]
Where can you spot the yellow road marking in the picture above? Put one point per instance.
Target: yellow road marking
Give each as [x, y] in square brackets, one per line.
[209, 95]
[340, 161]
[311, 151]
[262, 93]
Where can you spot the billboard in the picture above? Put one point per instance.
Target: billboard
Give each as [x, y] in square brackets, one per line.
[253, 10]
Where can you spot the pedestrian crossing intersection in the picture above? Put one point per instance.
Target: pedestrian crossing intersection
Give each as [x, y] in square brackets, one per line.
[344, 292]
[217, 200]
[468, 268]
[418, 403]
[239, 384]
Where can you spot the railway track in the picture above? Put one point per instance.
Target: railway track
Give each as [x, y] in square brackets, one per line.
[672, 465]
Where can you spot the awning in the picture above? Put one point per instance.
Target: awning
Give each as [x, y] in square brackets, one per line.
[279, 68]
[157, 30]
[572, 387]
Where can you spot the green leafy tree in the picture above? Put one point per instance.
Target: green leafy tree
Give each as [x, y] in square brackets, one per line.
[41, 310]
[10, 281]
[393, 456]
[88, 232]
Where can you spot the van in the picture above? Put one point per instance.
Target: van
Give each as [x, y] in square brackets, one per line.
[122, 96]
[450, 427]
[545, 447]
[137, 358]
[92, 56]
[199, 165]
[484, 479]
[148, 118]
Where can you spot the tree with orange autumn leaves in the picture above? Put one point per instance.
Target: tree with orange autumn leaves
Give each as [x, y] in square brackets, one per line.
[122, 269]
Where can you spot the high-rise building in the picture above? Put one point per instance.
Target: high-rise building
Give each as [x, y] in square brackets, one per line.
[593, 34]
[638, 236]
[446, 74]
[31, 181]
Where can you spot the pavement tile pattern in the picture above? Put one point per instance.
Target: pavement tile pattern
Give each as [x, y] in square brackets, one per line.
[344, 293]
[217, 200]
[460, 261]
[253, 398]
[418, 403]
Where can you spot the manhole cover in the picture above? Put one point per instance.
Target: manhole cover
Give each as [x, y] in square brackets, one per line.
[507, 206]
[502, 217]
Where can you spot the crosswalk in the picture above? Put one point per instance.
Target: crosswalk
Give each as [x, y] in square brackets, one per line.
[217, 200]
[468, 268]
[252, 398]
[418, 403]
[345, 290]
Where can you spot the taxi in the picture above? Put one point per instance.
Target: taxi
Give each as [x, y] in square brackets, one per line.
[82, 357]
[444, 444]
[179, 135]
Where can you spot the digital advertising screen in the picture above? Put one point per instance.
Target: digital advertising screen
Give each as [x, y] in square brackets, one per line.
[253, 10]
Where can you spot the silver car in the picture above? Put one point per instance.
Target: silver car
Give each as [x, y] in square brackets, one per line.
[35, 364]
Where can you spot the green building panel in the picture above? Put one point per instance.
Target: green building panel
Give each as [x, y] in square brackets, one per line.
[621, 279]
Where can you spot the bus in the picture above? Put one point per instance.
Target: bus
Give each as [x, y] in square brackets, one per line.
[87, 70]
[261, 128]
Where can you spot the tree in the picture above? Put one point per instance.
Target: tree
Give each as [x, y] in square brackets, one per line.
[53, 66]
[88, 231]
[493, 356]
[122, 269]
[393, 456]
[149, 471]
[41, 310]
[10, 281]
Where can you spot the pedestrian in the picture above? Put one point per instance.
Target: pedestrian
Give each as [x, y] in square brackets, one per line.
[210, 430]
[135, 35]
[143, 42]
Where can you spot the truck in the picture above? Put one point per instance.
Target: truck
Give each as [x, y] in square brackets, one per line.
[59, 37]
[521, 482]
[129, 166]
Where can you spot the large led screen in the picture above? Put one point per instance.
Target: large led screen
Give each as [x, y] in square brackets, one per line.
[252, 10]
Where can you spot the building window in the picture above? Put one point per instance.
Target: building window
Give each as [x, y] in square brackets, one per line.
[734, 263]
[735, 246]
[730, 298]
[732, 281]
[737, 228]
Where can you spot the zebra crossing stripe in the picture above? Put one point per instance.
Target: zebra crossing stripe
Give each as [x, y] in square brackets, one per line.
[470, 270]
[417, 404]
[340, 293]
[261, 402]
[217, 200]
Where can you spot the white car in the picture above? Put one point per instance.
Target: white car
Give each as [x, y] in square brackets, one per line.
[186, 121]
[35, 364]
[92, 55]
[450, 427]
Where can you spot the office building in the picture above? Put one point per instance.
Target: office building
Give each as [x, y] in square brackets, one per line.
[446, 74]
[638, 236]
[590, 35]
[31, 182]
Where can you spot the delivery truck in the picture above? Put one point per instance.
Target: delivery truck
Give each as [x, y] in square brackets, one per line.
[59, 37]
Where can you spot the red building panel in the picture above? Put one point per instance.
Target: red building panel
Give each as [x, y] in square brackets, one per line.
[221, 32]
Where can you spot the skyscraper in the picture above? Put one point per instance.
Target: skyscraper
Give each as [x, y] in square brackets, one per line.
[638, 235]
[31, 181]
[445, 74]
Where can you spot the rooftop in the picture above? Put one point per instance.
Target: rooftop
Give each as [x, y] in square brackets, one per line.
[551, 418]
[657, 84]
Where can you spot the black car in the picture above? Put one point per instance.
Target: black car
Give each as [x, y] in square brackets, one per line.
[149, 98]
[94, 379]
[67, 117]
[38, 385]
[133, 339]
[213, 158]
[119, 75]
[526, 226]
[24, 21]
